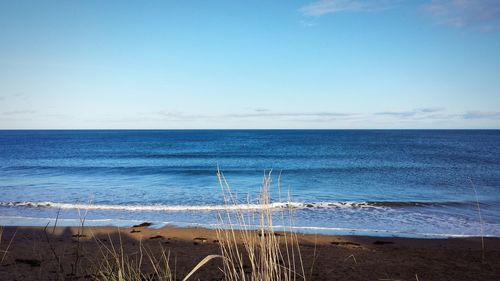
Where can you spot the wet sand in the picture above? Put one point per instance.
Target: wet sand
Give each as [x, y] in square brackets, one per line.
[73, 254]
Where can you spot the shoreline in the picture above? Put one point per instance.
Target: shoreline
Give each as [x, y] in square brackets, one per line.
[306, 230]
[330, 256]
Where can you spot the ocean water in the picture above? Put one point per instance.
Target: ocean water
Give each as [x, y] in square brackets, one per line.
[415, 183]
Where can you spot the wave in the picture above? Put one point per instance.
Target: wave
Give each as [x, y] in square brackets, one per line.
[156, 207]
[275, 205]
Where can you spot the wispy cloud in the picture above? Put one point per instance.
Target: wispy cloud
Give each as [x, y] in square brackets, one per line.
[256, 113]
[425, 117]
[290, 114]
[439, 114]
[481, 115]
[323, 7]
[417, 116]
[482, 14]
[17, 95]
[175, 115]
[261, 110]
[419, 112]
[18, 112]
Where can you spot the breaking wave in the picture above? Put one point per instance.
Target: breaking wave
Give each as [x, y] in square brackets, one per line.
[276, 205]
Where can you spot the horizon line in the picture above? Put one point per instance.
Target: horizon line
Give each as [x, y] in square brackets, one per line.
[248, 129]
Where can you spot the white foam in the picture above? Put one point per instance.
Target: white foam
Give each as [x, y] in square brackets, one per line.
[176, 208]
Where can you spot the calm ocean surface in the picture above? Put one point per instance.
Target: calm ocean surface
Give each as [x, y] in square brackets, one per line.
[376, 182]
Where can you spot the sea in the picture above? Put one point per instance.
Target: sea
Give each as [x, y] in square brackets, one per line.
[406, 183]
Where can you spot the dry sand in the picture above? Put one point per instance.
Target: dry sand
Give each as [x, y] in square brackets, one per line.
[31, 256]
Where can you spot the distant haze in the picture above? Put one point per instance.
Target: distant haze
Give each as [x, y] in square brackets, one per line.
[250, 64]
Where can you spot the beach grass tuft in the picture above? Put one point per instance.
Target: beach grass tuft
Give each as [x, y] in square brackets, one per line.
[115, 264]
[251, 249]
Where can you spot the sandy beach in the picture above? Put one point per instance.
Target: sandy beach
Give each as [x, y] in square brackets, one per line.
[33, 255]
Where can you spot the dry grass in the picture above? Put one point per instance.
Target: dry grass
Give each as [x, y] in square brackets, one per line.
[247, 253]
[266, 255]
[250, 248]
[6, 250]
[114, 264]
[481, 222]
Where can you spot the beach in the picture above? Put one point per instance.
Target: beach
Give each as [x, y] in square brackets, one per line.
[33, 253]
[361, 209]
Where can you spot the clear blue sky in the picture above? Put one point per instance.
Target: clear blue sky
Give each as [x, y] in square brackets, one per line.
[250, 64]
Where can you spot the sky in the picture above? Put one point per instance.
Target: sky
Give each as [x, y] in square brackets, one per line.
[318, 64]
